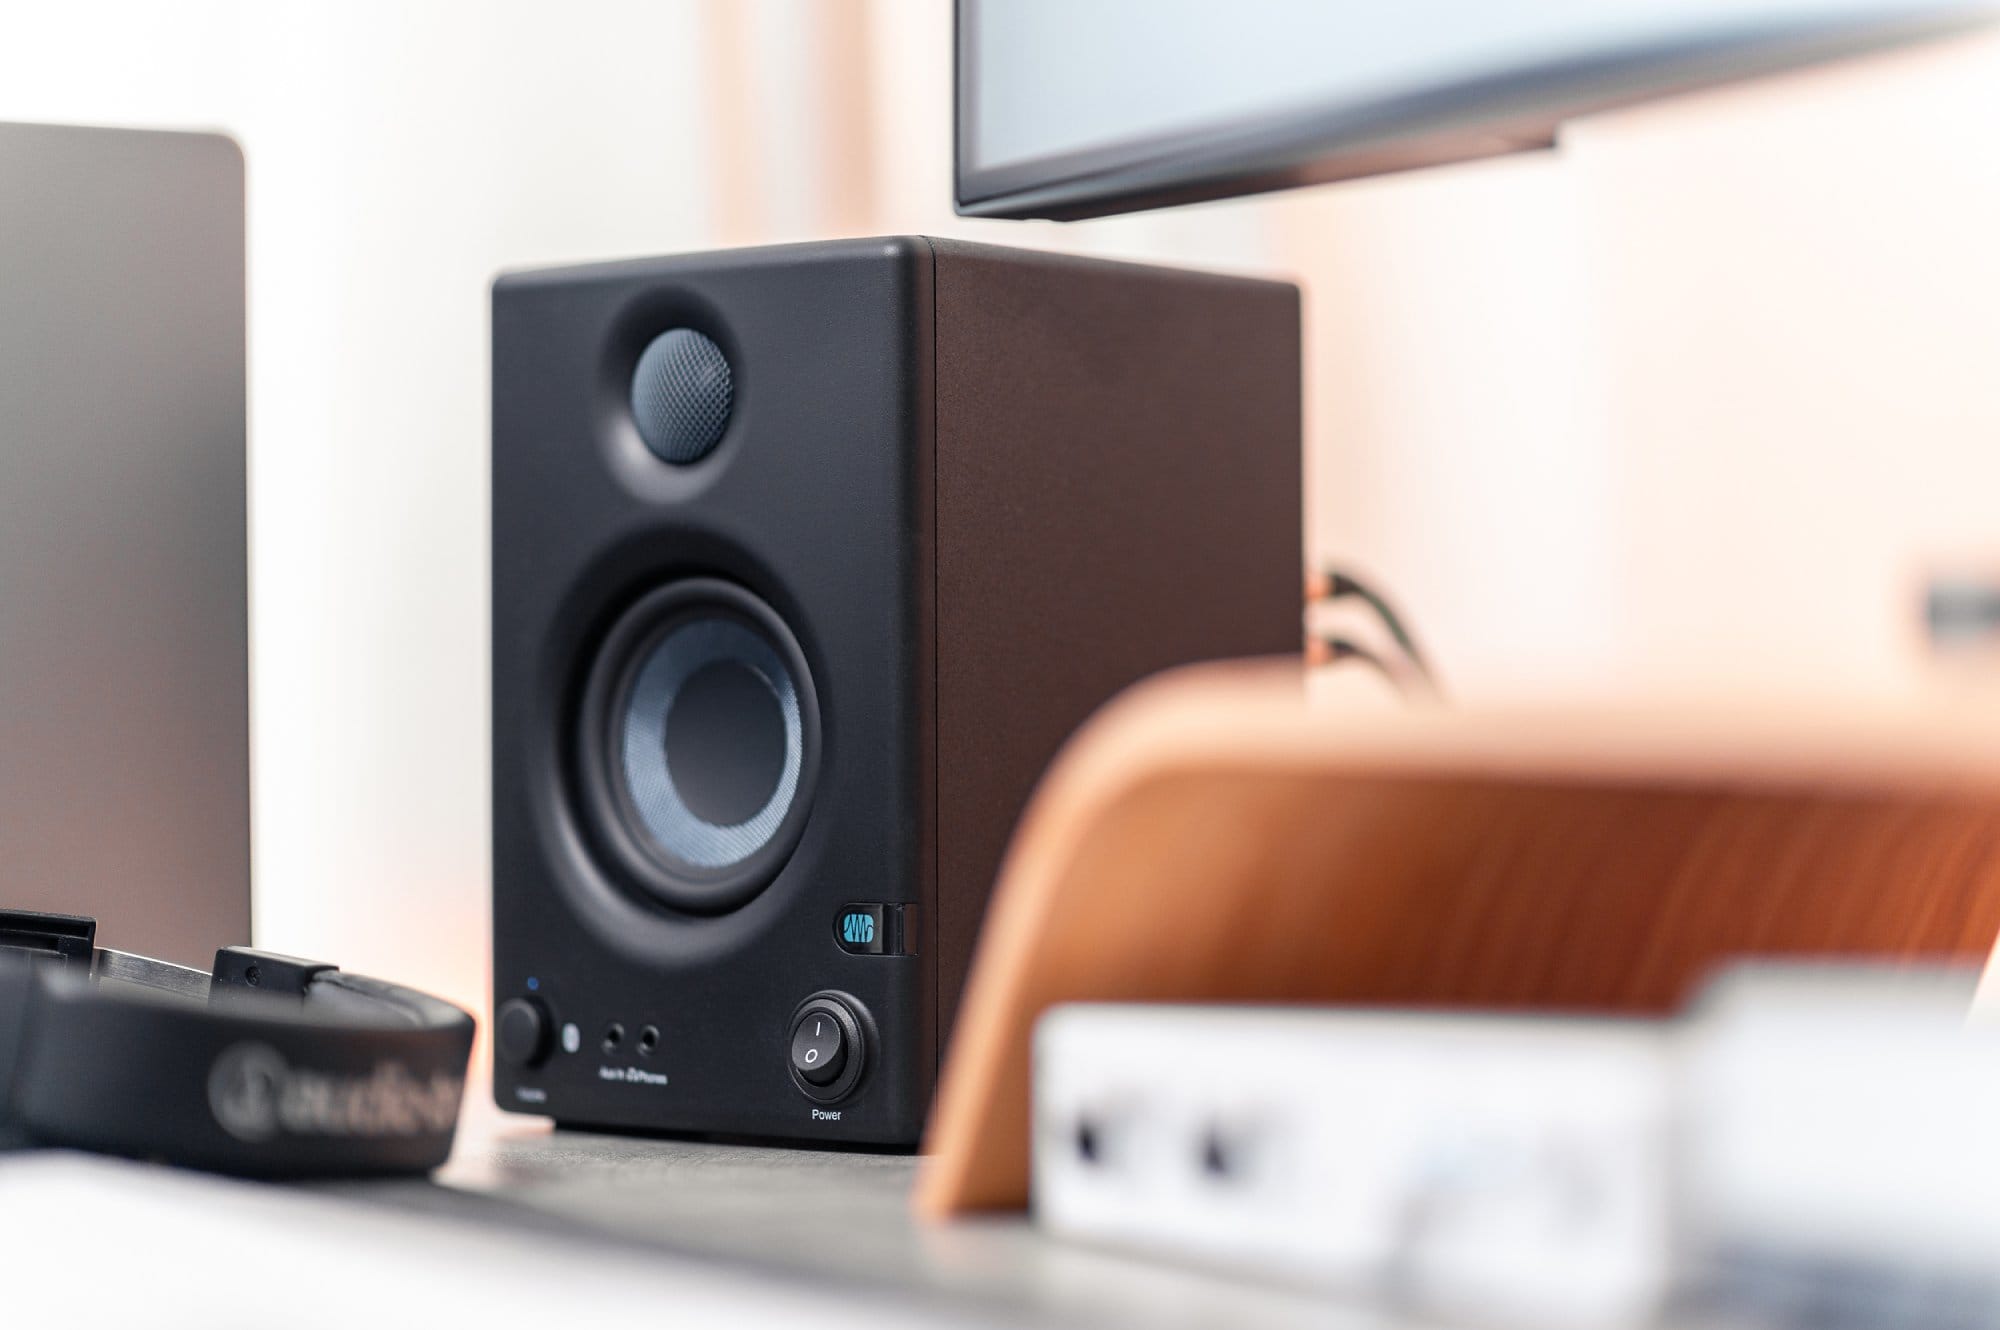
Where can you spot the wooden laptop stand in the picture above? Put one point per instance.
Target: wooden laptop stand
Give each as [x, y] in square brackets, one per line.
[1212, 837]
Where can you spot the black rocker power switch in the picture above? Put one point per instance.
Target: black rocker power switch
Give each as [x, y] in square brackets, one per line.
[827, 1048]
[819, 1048]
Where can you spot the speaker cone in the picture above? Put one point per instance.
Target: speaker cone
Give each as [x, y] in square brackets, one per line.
[700, 741]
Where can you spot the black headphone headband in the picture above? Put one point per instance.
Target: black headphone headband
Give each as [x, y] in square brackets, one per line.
[269, 1067]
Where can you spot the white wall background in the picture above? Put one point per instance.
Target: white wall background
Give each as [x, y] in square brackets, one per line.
[1686, 408]
[398, 155]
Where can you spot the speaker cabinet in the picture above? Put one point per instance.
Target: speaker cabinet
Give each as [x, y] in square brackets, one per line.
[805, 562]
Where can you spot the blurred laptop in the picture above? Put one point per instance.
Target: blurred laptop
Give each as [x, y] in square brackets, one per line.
[124, 646]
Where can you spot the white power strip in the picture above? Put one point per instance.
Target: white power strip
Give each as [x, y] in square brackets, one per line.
[1499, 1169]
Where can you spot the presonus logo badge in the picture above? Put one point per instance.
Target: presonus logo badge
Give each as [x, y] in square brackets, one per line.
[857, 929]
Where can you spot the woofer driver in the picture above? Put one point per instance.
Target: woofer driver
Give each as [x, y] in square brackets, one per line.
[699, 744]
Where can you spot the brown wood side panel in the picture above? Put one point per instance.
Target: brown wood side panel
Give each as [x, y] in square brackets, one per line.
[1118, 491]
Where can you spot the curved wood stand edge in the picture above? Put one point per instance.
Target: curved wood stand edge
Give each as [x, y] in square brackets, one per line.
[1211, 837]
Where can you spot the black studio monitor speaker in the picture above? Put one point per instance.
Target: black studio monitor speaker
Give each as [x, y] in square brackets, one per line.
[805, 562]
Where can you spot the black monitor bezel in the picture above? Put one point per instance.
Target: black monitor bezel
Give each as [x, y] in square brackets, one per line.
[1520, 110]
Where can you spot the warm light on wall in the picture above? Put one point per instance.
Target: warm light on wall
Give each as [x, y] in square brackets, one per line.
[1687, 407]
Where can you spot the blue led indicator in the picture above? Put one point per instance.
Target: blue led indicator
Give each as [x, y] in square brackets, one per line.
[857, 929]
[534, 984]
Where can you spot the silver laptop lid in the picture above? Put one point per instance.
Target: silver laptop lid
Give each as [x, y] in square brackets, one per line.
[124, 680]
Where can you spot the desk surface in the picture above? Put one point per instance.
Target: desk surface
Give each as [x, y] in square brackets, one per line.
[817, 1218]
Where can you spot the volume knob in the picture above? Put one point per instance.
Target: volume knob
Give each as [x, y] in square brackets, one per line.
[521, 1032]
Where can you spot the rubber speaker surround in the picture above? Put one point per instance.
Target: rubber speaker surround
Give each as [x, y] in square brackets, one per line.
[698, 745]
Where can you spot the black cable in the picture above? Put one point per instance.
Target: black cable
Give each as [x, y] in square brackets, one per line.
[1338, 585]
[1339, 649]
